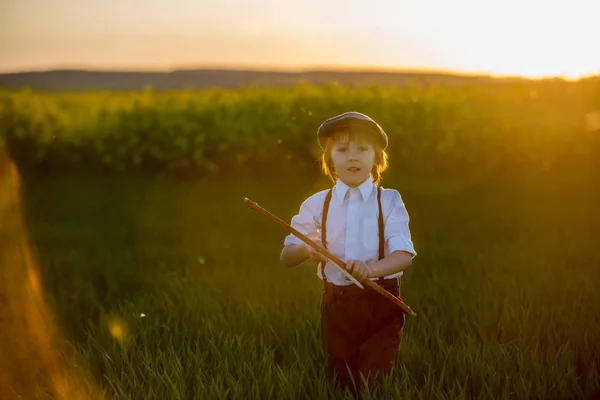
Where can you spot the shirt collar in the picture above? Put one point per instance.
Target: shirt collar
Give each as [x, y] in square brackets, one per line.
[365, 188]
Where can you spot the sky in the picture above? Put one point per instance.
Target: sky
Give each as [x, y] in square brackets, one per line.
[508, 37]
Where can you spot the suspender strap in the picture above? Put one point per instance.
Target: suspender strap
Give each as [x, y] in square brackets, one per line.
[324, 230]
[381, 231]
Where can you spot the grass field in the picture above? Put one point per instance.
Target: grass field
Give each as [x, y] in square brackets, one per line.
[505, 288]
[131, 269]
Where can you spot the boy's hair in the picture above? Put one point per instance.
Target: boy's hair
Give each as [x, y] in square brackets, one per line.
[380, 163]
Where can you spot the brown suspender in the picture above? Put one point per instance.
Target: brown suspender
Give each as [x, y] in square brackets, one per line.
[324, 229]
[381, 232]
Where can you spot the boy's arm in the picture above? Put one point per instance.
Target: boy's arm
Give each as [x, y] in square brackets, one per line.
[295, 251]
[398, 238]
[293, 255]
[393, 263]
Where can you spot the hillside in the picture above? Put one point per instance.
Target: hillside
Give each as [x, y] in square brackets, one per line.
[76, 80]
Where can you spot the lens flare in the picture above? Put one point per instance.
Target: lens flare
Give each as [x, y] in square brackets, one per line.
[32, 352]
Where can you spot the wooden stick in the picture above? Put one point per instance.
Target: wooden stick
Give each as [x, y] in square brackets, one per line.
[330, 256]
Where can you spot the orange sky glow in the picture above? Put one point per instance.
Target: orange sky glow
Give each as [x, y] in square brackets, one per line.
[532, 39]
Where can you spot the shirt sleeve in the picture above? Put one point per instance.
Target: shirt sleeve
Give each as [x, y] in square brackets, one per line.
[304, 222]
[397, 231]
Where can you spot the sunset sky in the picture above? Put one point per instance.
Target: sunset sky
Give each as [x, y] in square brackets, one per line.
[528, 38]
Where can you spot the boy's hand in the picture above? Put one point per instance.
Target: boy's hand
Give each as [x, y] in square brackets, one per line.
[358, 269]
[315, 255]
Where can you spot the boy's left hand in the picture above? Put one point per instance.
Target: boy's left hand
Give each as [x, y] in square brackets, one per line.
[358, 269]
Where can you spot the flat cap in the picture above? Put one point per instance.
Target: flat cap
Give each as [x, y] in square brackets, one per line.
[351, 119]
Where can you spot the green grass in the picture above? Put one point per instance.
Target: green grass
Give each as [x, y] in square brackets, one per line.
[505, 287]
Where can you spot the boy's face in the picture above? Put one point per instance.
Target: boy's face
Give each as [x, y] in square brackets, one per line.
[352, 160]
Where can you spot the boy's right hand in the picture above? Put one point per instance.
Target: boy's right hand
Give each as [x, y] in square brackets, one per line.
[315, 255]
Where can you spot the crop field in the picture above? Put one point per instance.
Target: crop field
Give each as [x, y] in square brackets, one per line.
[131, 268]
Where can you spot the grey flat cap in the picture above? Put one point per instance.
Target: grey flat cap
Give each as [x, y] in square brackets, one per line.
[351, 119]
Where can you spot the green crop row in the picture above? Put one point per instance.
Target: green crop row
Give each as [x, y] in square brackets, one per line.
[433, 129]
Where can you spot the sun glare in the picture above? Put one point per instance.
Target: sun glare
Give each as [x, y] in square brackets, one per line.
[34, 354]
[539, 39]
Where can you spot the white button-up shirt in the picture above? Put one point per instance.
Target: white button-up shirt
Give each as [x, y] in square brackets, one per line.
[352, 225]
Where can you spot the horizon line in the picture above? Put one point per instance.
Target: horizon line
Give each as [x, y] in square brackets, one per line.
[274, 68]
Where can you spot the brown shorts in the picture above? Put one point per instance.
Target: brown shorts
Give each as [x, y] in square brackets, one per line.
[361, 331]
